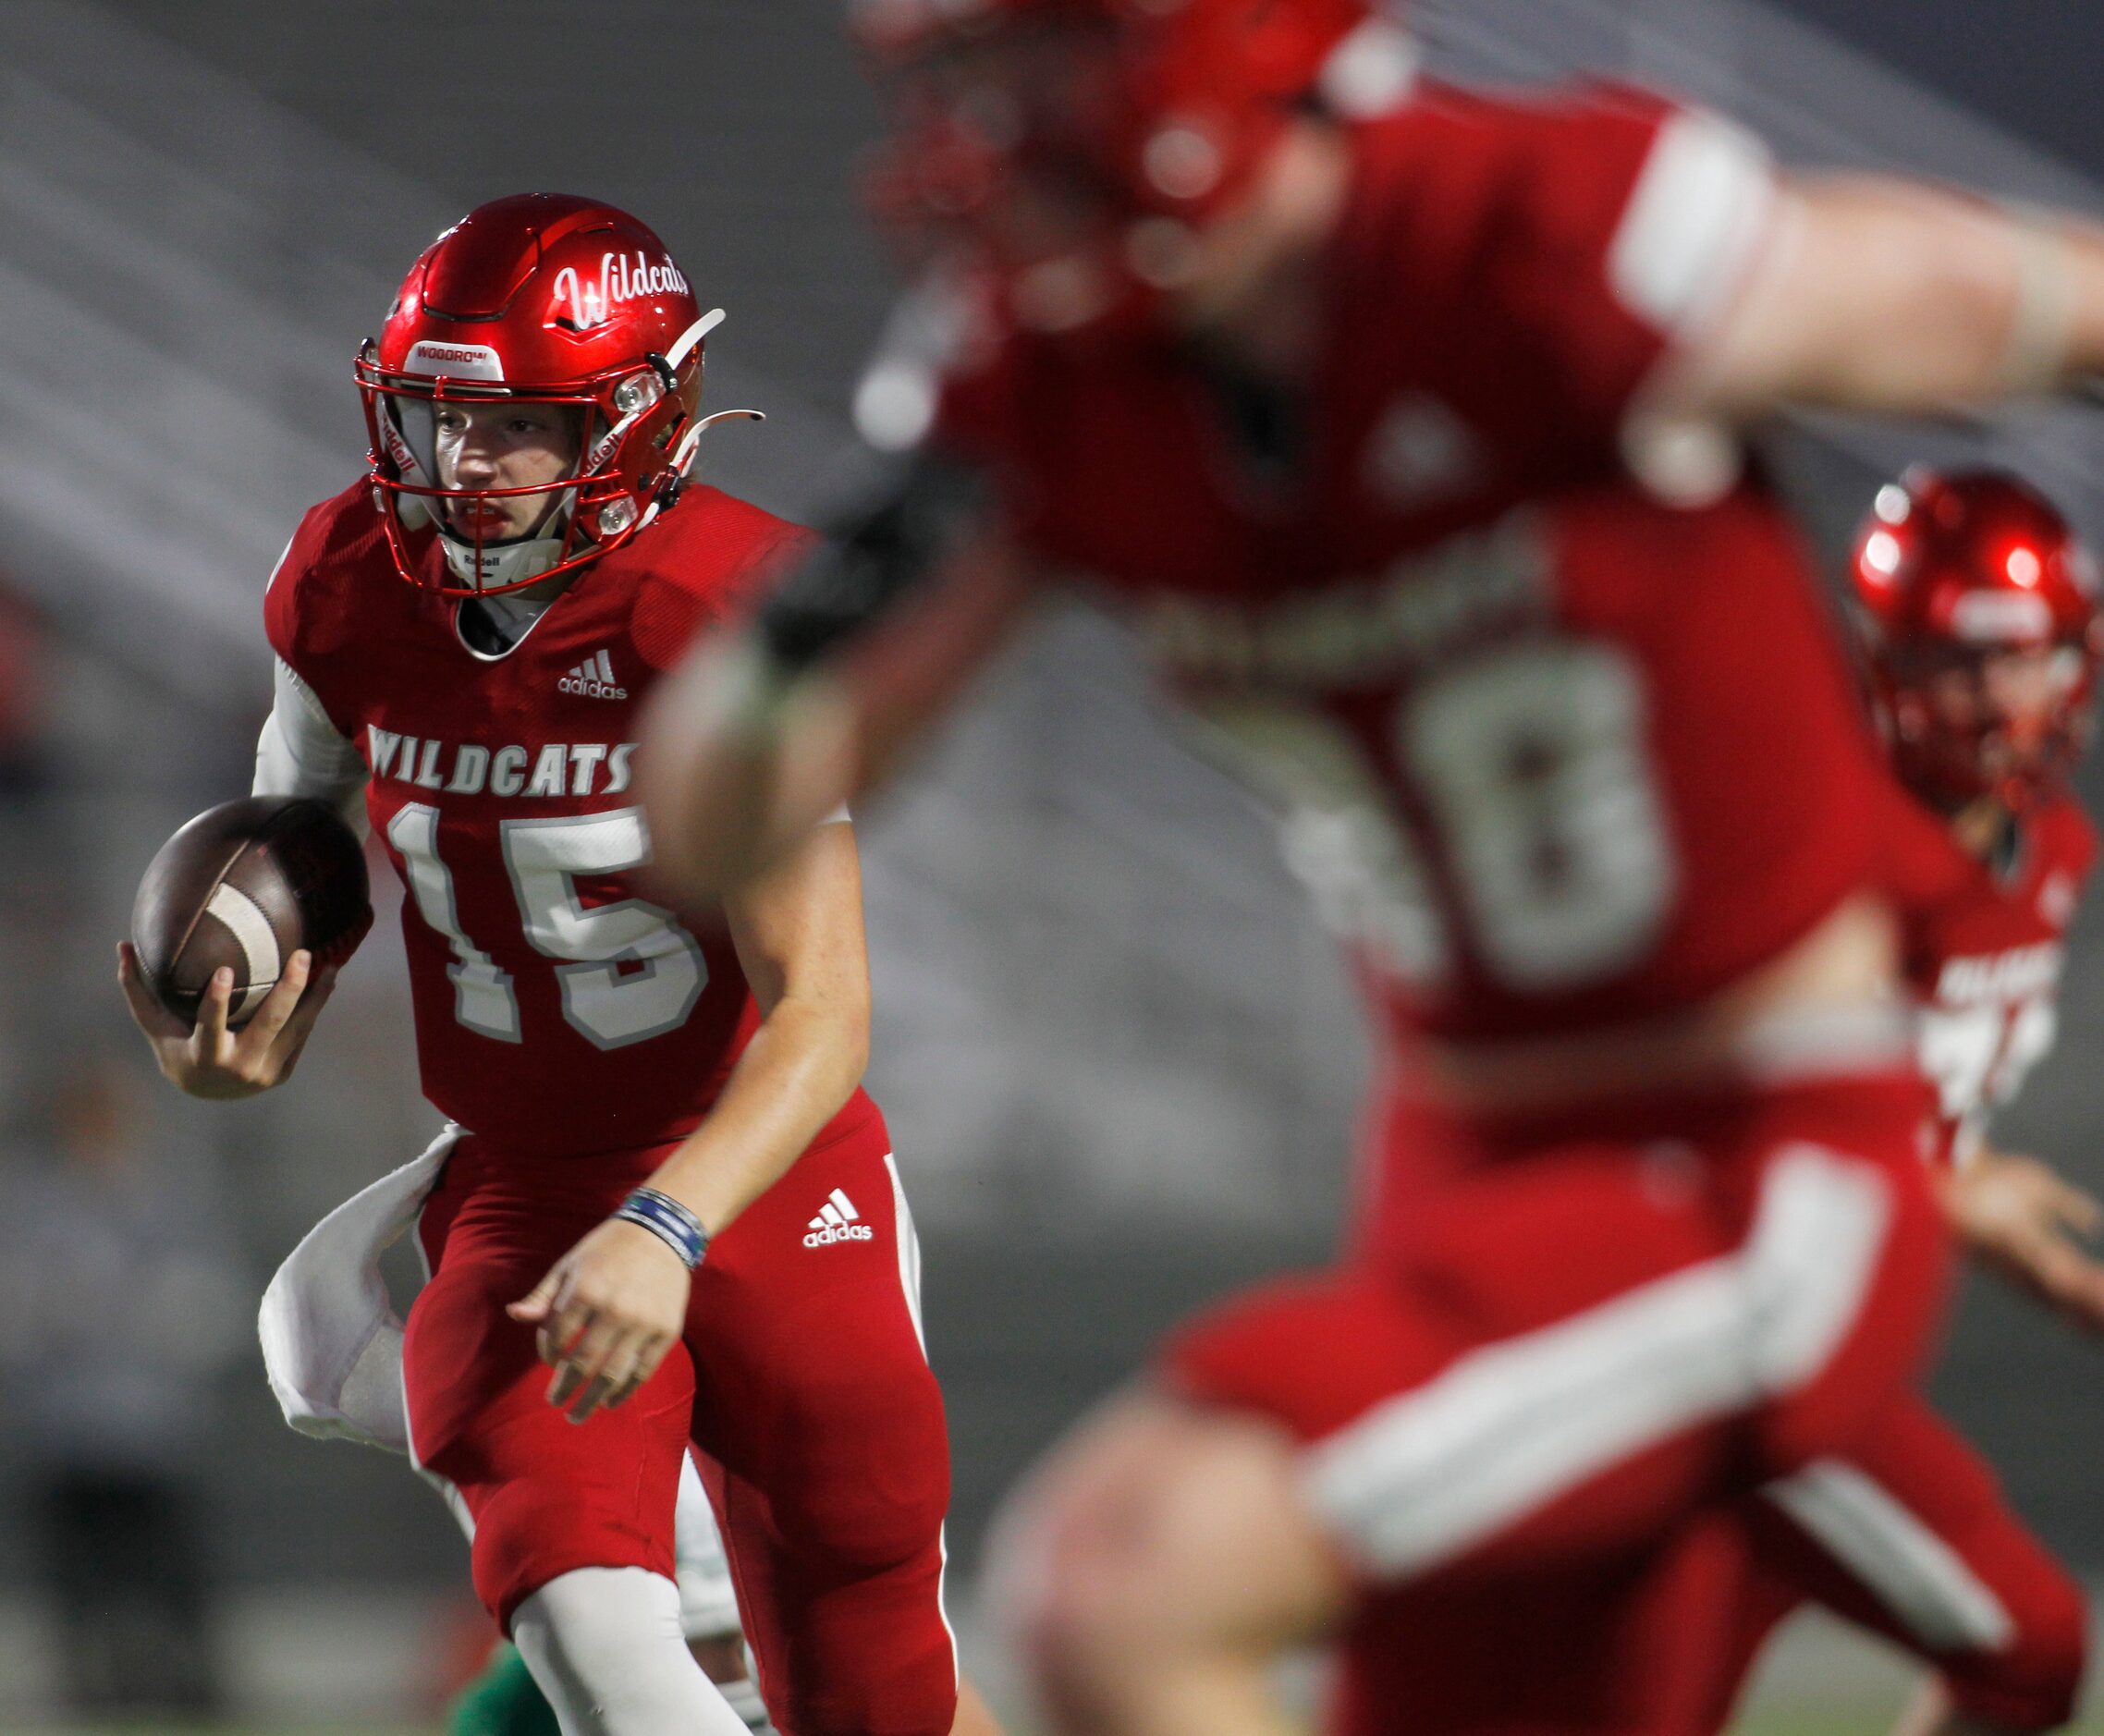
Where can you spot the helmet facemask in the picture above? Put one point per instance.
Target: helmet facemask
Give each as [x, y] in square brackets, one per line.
[624, 441]
[2006, 723]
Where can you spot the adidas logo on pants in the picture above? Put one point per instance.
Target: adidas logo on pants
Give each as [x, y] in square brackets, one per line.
[837, 1221]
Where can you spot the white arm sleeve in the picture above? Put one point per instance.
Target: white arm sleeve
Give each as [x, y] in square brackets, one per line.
[301, 753]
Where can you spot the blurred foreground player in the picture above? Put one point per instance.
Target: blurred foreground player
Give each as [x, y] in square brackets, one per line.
[1402, 422]
[1982, 633]
[464, 637]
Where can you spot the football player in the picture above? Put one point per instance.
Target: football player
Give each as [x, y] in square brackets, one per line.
[1981, 633]
[1403, 420]
[664, 1208]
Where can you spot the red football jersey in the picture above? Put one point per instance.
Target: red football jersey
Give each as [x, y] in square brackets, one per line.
[555, 1009]
[1984, 953]
[1565, 751]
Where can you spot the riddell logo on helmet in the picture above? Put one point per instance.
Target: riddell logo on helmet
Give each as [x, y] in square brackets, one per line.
[460, 362]
[621, 278]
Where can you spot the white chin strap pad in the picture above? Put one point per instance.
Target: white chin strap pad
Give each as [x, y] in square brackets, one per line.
[501, 564]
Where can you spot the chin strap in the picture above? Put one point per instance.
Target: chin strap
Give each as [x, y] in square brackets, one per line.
[501, 565]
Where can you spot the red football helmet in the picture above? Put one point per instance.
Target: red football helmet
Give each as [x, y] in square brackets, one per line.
[540, 298]
[1123, 125]
[1979, 610]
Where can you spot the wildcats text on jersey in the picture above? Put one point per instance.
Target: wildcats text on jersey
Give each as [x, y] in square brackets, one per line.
[468, 768]
[1427, 603]
[2016, 974]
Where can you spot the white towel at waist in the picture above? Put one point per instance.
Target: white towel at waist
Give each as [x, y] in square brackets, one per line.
[331, 1341]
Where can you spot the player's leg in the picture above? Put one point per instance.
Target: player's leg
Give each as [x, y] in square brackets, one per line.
[1166, 1558]
[1587, 1349]
[571, 1538]
[605, 1644]
[825, 1448]
[1908, 1534]
[1154, 1568]
[505, 1701]
[708, 1601]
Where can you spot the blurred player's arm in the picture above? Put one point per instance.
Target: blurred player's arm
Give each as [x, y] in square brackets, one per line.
[758, 737]
[611, 1308]
[300, 752]
[2019, 1217]
[1883, 294]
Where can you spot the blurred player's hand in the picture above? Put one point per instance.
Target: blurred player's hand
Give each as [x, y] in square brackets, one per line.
[608, 1311]
[209, 1060]
[2029, 1224]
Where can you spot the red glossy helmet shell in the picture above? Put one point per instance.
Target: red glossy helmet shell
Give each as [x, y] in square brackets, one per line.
[549, 298]
[1946, 573]
[1196, 91]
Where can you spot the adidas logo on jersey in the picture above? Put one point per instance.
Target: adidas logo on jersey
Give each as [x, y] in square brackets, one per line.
[837, 1221]
[593, 678]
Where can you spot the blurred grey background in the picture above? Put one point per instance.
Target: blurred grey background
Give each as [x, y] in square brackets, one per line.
[1118, 1058]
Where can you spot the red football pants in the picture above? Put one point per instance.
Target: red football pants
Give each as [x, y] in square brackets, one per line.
[801, 1381]
[1908, 1535]
[1580, 1346]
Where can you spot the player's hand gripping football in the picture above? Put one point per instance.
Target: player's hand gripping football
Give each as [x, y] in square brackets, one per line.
[208, 1059]
[607, 1313]
[2029, 1224]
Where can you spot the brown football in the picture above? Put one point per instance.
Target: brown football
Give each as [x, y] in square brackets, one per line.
[248, 883]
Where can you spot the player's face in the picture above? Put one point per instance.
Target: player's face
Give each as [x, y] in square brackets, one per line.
[2010, 702]
[503, 446]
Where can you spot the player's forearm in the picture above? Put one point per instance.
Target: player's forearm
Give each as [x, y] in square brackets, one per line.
[739, 761]
[798, 1071]
[753, 742]
[1886, 295]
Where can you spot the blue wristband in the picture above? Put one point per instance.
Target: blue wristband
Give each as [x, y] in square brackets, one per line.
[669, 1220]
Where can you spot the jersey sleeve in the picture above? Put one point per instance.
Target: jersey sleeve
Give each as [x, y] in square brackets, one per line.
[300, 752]
[1584, 235]
[306, 747]
[719, 576]
[308, 612]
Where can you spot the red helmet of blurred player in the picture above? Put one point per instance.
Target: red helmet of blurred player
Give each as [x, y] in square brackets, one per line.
[545, 303]
[1078, 146]
[1980, 611]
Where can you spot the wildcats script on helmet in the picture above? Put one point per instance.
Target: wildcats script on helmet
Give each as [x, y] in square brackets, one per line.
[620, 279]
